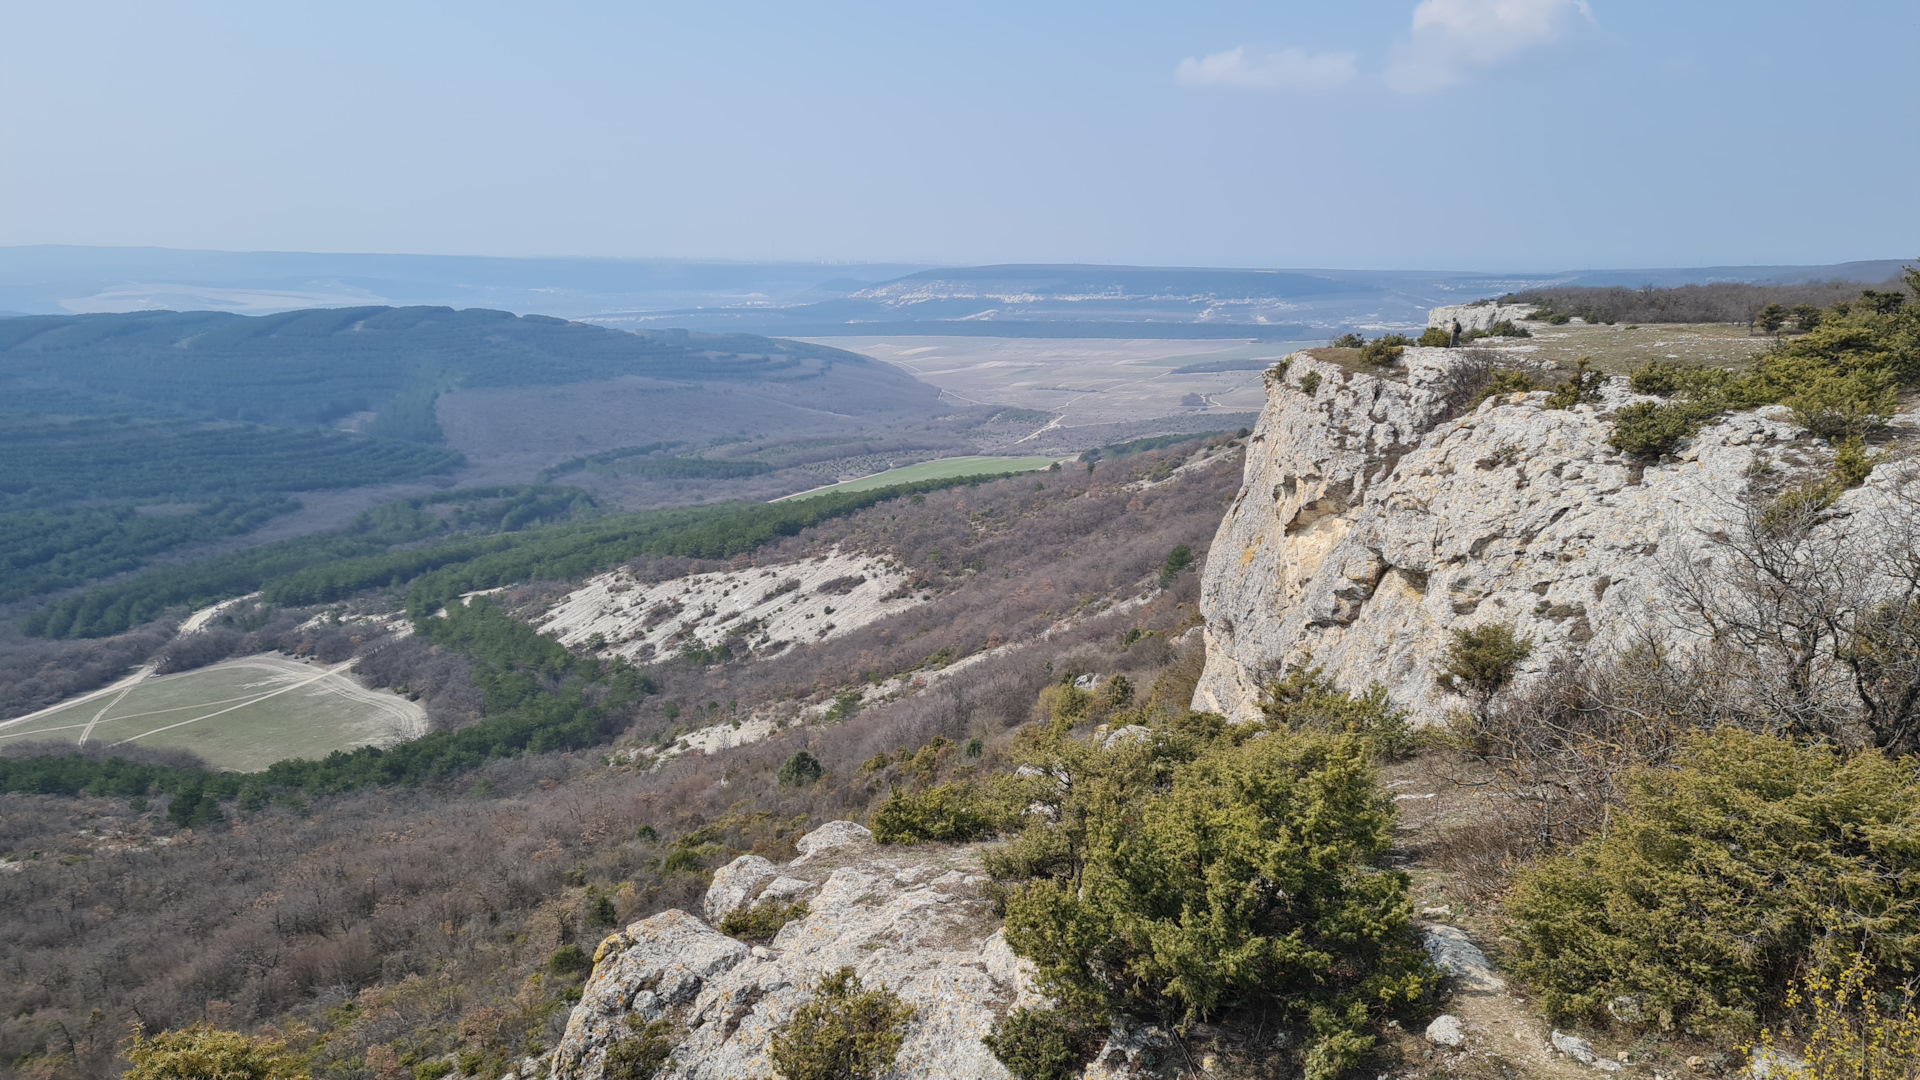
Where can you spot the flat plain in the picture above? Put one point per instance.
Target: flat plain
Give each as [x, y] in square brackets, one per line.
[1617, 350]
[940, 469]
[242, 714]
[1087, 382]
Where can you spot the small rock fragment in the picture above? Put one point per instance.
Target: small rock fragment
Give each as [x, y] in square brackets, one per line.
[1455, 954]
[1574, 1047]
[1447, 1030]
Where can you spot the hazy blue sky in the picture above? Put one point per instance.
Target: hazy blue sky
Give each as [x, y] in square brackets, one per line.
[1513, 134]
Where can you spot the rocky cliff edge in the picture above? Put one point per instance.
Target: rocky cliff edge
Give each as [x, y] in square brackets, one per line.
[1374, 519]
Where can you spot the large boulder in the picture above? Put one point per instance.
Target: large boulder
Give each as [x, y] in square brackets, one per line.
[735, 884]
[901, 918]
[834, 834]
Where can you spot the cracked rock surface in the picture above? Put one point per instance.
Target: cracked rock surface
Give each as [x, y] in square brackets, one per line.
[1371, 523]
[911, 919]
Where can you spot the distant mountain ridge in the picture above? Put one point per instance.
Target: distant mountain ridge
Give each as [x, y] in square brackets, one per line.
[815, 299]
[1028, 300]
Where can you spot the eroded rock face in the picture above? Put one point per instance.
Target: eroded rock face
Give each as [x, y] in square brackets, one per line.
[910, 919]
[1479, 316]
[734, 884]
[1371, 524]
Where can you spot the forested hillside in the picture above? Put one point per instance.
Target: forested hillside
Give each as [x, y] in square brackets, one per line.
[129, 438]
[318, 366]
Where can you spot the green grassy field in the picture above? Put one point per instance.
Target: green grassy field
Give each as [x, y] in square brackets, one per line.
[242, 714]
[942, 469]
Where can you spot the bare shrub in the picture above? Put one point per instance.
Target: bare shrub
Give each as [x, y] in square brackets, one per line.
[1473, 375]
[1816, 611]
[1562, 745]
[35, 672]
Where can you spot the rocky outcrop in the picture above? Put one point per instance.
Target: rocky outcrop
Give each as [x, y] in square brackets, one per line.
[910, 919]
[1372, 521]
[1479, 316]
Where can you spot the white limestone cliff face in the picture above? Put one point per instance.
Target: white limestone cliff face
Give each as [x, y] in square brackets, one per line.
[1369, 525]
[1479, 316]
[910, 919]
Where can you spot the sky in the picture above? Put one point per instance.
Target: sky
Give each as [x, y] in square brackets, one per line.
[1482, 134]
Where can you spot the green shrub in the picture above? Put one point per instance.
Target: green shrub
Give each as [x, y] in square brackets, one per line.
[1581, 388]
[1840, 407]
[949, 812]
[1506, 328]
[193, 805]
[801, 770]
[602, 911]
[568, 960]
[1500, 382]
[846, 1032]
[1481, 660]
[1204, 869]
[432, 1070]
[1046, 1044]
[1749, 862]
[640, 1056]
[1806, 317]
[1435, 337]
[1795, 507]
[1348, 340]
[845, 704]
[202, 1052]
[1382, 353]
[1309, 383]
[1308, 700]
[1665, 378]
[1852, 464]
[1840, 378]
[1177, 560]
[760, 922]
[1649, 429]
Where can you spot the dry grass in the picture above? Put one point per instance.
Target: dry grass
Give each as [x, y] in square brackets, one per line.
[1617, 350]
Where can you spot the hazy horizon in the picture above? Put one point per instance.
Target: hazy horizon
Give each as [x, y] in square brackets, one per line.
[804, 298]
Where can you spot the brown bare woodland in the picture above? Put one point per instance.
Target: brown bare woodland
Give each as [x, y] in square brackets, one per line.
[408, 920]
[1720, 302]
